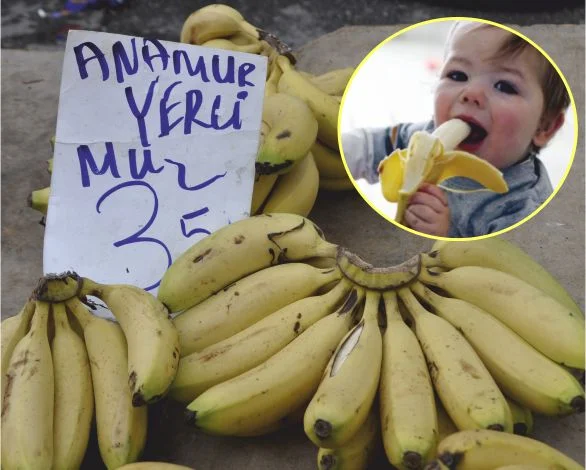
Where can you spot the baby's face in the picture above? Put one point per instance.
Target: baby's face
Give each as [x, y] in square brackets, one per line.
[501, 98]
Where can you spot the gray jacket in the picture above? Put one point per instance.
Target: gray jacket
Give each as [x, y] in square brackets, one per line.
[472, 213]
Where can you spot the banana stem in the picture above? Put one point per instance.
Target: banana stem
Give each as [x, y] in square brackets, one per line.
[391, 306]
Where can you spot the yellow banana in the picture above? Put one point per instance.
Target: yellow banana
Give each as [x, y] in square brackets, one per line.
[346, 392]
[357, 453]
[550, 327]
[263, 184]
[153, 341]
[296, 191]
[221, 361]
[430, 158]
[466, 389]
[50, 160]
[263, 395]
[247, 301]
[121, 426]
[407, 403]
[324, 107]
[74, 396]
[482, 449]
[27, 408]
[291, 129]
[332, 82]
[153, 466]
[12, 331]
[498, 253]
[205, 24]
[237, 250]
[39, 200]
[364, 274]
[227, 44]
[521, 371]
[522, 418]
[329, 162]
[273, 76]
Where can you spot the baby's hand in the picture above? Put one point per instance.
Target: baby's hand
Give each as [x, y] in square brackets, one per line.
[428, 211]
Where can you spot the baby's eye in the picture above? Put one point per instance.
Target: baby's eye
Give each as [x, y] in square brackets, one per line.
[457, 76]
[506, 87]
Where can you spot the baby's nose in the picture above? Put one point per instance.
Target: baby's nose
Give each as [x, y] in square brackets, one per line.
[473, 94]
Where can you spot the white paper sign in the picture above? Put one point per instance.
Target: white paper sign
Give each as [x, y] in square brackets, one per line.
[155, 149]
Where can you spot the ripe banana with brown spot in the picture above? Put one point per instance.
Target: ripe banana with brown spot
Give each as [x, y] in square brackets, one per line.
[263, 184]
[289, 130]
[431, 158]
[466, 389]
[153, 341]
[58, 287]
[350, 381]
[295, 192]
[358, 452]
[241, 352]
[409, 419]
[324, 107]
[265, 394]
[329, 162]
[121, 426]
[482, 449]
[503, 255]
[12, 331]
[247, 301]
[548, 326]
[236, 250]
[74, 396]
[27, 407]
[522, 372]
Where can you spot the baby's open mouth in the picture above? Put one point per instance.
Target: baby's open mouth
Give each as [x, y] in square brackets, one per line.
[477, 134]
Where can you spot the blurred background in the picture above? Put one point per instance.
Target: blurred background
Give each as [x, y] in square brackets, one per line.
[395, 84]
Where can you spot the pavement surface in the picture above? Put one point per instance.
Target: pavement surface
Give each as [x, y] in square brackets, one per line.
[324, 36]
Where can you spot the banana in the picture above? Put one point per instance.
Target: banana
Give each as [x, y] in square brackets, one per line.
[408, 413]
[58, 287]
[522, 372]
[247, 301]
[431, 158]
[50, 160]
[74, 396]
[27, 407]
[121, 426]
[12, 331]
[346, 392]
[221, 361]
[324, 107]
[445, 425]
[236, 250]
[335, 184]
[503, 255]
[483, 449]
[522, 418]
[332, 82]
[296, 191]
[153, 466]
[468, 392]
[355, 454]
[290, 130]
[153, 341]
[539, 319]
[205, 24]
[263, 184]
[364, 274]
[227, 44]
[329, 162]
[39, 200]
[273, 76]
[270, 391]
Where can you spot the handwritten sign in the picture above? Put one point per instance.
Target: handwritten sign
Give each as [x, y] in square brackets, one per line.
[155, 149]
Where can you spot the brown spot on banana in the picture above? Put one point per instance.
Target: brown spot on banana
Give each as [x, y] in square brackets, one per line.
[199, 258]
[284, 135]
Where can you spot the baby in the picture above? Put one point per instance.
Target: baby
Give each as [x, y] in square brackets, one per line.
[513, 99]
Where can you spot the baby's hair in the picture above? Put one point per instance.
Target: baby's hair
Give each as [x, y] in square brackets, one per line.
[555, 95]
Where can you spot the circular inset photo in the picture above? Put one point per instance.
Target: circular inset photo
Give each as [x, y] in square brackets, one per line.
[458, 128]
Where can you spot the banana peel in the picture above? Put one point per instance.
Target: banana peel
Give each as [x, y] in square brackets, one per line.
[430, 158]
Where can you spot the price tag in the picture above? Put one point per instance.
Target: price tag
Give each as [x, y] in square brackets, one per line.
[155, 149]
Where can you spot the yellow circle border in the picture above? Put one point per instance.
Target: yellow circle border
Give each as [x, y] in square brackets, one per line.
[499, 25]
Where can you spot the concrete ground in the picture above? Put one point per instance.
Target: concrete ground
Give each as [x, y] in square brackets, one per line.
[555, 237]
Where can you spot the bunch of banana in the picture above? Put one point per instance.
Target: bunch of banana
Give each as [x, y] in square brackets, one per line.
[431, 158]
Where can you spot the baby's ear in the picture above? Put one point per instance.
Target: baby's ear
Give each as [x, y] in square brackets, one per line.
[547, 129]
